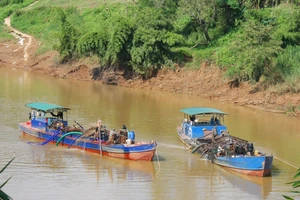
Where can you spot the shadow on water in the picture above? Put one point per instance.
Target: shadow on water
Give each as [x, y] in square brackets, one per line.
[259, 186]
[158, 158]
[275, 171]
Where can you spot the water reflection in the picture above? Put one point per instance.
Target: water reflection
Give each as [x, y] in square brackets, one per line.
[259, 186]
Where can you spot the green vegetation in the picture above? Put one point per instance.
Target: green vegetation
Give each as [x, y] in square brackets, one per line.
[3, 35]
[255, 41]
[295, 184]
[7, 7]
[3, 195]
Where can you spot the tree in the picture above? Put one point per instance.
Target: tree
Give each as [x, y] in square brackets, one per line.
[288, 24]
[167, 7]
[152, 42]
[254, 49]
[68, 39]
[93, 43]
[203, 12]
[120, 43]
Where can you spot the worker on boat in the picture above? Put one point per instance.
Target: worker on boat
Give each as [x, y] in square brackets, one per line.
[117, 138]
[98, 129]
[123, 134]
[212, 120]
[123, 130]
[250, 149]
[59, 115]
[217, 121]
[112, 134]
[192, 118]
[240, 150]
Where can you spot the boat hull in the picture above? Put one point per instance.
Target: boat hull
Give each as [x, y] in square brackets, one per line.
[250, 165]
[138, 151]
[260, 166]
[189, 142]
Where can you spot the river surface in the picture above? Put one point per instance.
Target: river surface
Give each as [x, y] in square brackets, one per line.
[50, 172]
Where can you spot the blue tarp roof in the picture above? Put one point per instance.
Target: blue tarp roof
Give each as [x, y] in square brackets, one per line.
[201, 110]
[46, 107]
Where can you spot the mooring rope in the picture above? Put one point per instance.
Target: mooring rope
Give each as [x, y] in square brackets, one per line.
[286, 162]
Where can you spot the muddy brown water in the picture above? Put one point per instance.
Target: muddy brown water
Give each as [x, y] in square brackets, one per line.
[51, 172]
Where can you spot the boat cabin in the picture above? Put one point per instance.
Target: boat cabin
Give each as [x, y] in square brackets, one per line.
[200, 121]
[45, 116]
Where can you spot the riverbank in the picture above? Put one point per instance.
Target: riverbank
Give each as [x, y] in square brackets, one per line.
[207, 82]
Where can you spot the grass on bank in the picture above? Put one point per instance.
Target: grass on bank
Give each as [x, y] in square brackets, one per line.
[243, 59]
[81, 5]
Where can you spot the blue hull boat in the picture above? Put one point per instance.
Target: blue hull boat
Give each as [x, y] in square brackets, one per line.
[44, 124]
[203, 132]
[256, 165]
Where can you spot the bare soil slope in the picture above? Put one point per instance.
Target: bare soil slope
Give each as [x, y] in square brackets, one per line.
[207, 82]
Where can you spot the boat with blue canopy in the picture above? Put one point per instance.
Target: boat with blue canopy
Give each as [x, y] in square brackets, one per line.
[200, 121]
[49, 123]
[202, 130]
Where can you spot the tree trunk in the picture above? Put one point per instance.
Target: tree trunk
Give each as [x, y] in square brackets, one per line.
[205, 32]
[202, 24]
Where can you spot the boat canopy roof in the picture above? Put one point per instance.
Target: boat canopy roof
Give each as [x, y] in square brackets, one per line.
[46, 107]
[201, 111]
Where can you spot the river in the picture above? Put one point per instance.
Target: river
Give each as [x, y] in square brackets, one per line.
[51, 172]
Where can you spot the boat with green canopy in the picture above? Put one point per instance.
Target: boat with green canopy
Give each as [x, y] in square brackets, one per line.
[203, 131]
[49, 122]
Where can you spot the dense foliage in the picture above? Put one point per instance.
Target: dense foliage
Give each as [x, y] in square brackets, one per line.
[256, 41]
[295, 184]
[8, 6]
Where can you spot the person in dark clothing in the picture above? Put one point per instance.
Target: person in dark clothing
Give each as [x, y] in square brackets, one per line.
[59, 115]
[239, 150]
[212, 120]
[192, 118]
[217, 121]
[123, 131]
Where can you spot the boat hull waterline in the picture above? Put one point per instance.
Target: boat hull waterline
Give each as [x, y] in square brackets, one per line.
[137, 151]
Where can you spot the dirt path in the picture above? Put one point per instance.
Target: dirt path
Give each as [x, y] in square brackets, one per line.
[21, 38]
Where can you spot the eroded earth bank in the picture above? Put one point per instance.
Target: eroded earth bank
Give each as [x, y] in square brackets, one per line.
[207, 82]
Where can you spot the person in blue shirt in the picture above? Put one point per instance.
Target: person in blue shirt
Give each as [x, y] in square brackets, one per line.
[212, 120]
[217, 121]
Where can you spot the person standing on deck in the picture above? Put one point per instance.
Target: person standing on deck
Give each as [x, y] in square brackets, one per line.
[217, 121]
[97, 132]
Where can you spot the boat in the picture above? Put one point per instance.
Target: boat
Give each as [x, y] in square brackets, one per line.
[49, 123]
[203, 131]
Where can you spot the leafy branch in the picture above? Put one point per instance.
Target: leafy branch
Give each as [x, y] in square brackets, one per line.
[3, 195]
[295, 184]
